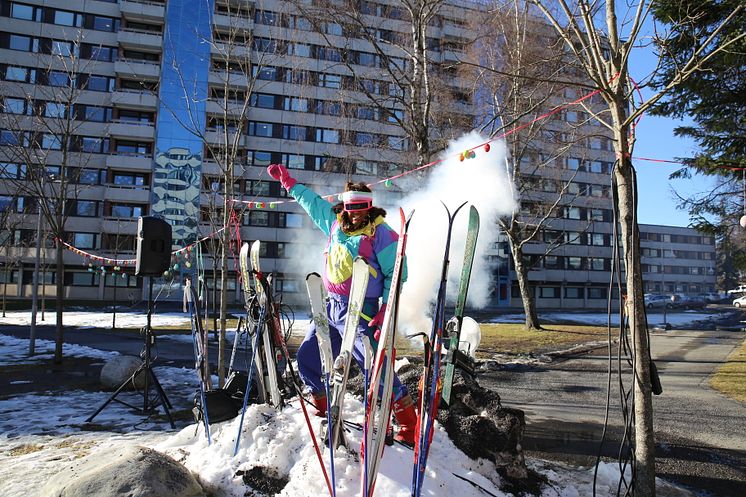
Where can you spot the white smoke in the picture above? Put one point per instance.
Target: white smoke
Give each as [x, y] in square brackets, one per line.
[483, 183]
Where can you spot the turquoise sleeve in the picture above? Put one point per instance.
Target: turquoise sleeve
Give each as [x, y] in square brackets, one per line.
[319, 210]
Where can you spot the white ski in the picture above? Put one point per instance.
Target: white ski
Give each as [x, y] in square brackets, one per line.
[269, 354]
[318, 297]
[378, 407]
[341, 367]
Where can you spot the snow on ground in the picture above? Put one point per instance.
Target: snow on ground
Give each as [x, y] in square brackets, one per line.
[41, 434]
[679, 319]
[87, 319]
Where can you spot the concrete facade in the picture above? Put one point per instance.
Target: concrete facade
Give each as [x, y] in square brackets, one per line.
[305, 113]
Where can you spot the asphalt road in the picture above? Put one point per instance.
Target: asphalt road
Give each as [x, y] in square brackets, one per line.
[700, 441]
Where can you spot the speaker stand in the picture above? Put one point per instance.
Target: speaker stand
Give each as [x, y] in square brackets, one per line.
[146, 369]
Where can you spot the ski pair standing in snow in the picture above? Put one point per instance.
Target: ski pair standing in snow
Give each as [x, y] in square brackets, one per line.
[354, 228]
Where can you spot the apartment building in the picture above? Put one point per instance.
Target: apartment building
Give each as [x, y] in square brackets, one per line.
[151, 82]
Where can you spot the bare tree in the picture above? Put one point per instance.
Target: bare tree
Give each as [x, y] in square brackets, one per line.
[42, 130]
[400, 75]
[601, 44]
[521, 75]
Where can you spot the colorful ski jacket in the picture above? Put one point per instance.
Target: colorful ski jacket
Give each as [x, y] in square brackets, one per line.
[376, 243]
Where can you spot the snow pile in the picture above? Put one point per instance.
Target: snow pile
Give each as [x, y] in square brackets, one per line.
[279, 443]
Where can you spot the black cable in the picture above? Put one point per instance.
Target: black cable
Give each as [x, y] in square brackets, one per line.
[614, 272]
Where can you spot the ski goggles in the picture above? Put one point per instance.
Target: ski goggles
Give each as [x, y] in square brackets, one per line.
[357, 201]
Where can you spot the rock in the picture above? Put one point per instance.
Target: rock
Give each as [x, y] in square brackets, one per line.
[132, 471]
[118, 369]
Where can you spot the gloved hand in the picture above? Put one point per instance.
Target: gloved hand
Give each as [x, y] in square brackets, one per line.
[280, 172]
[377, 321]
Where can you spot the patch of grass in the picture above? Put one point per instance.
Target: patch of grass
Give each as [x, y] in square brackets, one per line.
[230, 325]
[21, 450]
[515, 339]
[730, 378]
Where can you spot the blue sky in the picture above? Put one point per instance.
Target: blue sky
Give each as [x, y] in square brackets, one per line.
[656, 140]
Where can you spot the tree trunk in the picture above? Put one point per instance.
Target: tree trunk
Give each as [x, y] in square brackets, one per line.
[644, 483]
[225, 238]
[529, 303]
[59, 299]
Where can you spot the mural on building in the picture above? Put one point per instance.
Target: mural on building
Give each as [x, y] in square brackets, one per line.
[175, 196]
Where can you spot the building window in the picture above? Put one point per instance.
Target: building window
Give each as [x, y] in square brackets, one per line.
[552, 262]
[265, 73]
[575, 164]
[25, 12]
[596, 264]
[575, 263]
[77, 278]
[297, 133]
[572, 213]
[22, 74]
[330, 80]
[259, 188]
[327, 135]
[51, 142]
[597, 239]
[369, 113]
[94, 145]
[101, 23]
[85, 240]
[260, 159]
[86, 208]
[260, 129]
[129, 179]
[293, 161]
[59, 78]
[549, 292]
[597, 293]
[257, 218]
[100, 83]
[573, 238]
[291, 220]
[127, 210]
[364, 139]
[14, 105]
[263, 100]
[299, 49]
[62, 48]
[574, 292]
[295, 104]
[103, 54]
[19, 42]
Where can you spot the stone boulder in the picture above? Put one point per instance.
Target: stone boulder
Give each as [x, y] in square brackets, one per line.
[117, 369]
[132, 471]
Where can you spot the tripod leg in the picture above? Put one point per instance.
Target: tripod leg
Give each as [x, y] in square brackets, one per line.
[164, 400]
[116, 392]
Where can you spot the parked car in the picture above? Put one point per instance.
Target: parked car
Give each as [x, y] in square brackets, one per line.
[740, 302]
[710, 297]
[658, 301]
[693, 302]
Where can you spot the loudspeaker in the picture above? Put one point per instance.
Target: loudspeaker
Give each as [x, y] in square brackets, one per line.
[153, 246]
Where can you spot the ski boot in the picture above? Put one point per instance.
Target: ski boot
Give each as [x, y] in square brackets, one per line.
[406, 416]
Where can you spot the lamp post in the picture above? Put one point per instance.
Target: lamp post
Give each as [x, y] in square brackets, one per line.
[35, 290]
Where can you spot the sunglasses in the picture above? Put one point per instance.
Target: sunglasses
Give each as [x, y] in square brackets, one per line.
[357, 206]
